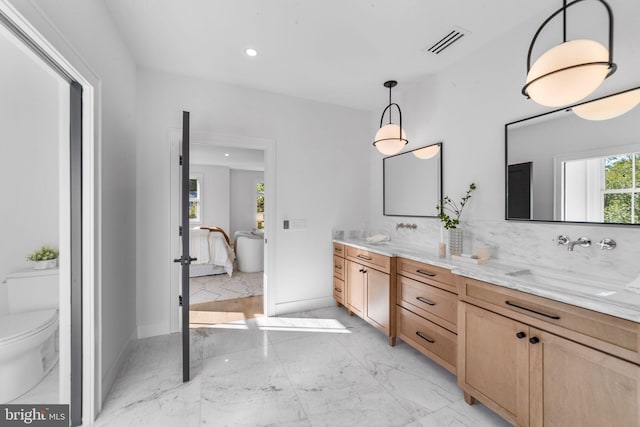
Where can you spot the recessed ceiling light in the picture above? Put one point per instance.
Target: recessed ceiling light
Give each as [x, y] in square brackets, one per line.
[251, 52]
[226, 154]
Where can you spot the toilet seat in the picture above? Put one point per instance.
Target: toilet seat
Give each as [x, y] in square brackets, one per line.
[14, 327]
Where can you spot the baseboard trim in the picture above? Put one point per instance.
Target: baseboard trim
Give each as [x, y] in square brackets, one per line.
[146, 331]
[303, 305]
[110, 377]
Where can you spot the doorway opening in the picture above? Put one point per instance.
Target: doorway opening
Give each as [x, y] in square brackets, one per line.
[231, 198]
[46, 273]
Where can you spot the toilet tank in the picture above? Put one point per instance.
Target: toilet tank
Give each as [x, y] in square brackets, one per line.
[31, 290]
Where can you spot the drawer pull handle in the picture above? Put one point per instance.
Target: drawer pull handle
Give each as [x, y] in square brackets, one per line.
[338, 267]
[338, 250]
[366, 258]
[426, 273]
[337, 289]
[426, 301]
[550, 316]
[424, 337]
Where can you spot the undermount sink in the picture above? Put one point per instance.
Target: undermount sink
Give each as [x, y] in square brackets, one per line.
[569, 283]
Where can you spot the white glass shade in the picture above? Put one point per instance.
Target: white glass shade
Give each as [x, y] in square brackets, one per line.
[390, 139]
[427, 152]
[572, 85]
[608, 108]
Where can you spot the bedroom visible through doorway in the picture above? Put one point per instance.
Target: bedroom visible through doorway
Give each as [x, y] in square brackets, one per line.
[226, 196]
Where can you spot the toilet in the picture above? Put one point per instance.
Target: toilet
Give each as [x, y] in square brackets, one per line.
[249, 251]
[28, 332]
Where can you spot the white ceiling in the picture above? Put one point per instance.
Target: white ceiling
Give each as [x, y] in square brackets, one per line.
[334, 51]
[231, 157]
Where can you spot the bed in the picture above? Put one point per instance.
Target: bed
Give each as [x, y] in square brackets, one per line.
[212, 248]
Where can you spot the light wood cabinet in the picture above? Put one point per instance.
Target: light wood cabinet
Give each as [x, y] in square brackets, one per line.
[534, 378]
[427, 310]
[369, 287]
[355, 288]
[339, 288]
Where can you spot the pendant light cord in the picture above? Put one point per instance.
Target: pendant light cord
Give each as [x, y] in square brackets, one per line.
[390, 104]
[564, 21]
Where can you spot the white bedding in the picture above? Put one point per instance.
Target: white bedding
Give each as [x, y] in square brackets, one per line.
[210, 248]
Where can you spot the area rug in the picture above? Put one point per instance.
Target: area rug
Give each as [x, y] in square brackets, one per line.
[222, 287]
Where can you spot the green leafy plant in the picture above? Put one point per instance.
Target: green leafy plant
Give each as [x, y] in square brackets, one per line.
[45, 253]
[450, 211]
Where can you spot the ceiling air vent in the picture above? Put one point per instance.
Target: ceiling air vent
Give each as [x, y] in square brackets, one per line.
[447, 41]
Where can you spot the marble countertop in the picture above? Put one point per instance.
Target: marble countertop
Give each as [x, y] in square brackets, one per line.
[594, 293]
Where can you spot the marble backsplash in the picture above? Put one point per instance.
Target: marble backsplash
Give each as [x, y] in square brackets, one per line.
[531, 244]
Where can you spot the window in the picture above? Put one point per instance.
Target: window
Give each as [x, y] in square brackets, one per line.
[195, 199]
[622, 188]
[260, 205]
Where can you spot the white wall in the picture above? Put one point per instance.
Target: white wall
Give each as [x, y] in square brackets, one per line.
[321, 176]
[29, 122]
[83, 29]
[466, 106]
[215, 191]
[243, 200]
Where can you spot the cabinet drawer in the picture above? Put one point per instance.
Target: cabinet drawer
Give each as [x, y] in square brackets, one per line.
[430, 302]
[370, 259]
[428, 338]
[436, 276]
[338, 290]
[608, 333]
[338, 249]
[338, 267]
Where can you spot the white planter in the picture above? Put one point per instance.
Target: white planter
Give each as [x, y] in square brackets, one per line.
[43, 265]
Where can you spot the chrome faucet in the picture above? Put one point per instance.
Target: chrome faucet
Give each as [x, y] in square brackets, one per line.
[408, 226]
[585, 242]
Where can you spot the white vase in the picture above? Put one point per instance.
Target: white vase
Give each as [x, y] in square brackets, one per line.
[43, 265]
[455, 241]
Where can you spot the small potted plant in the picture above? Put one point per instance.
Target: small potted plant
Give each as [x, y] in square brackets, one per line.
[45, 257]
[449, 214]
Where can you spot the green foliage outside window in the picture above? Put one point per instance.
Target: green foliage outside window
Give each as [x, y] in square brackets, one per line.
[619, 175]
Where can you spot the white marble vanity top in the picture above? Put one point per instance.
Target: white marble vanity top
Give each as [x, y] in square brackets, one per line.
[598, 294]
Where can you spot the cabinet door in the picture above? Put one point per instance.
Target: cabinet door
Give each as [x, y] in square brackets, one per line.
[378, 295]
[493, 362]
[573, 385]
[355, 288]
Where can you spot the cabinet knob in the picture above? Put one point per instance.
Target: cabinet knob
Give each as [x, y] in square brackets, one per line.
[521, 335]
[534, 340]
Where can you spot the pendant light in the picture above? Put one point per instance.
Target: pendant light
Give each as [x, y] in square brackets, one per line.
[609, 107]
[427, 152]
[390, 138]
[571, 70]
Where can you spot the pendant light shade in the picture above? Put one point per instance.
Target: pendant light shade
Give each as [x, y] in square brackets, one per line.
[570, 71]
[390, 138]
[609, 107]
[427, 152]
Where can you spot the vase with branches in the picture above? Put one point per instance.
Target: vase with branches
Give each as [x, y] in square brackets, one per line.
[449, 213]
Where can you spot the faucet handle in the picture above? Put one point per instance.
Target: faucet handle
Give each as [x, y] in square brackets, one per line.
[585, 242]
[607, 244]
[562, 239]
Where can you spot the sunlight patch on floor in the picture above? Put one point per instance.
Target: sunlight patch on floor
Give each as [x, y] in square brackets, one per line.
[301, 324]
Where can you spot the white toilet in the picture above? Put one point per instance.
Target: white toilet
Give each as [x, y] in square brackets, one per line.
[249, 251]
[28, 347]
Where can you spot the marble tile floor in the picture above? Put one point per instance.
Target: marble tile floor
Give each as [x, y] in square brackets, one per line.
[315, 368]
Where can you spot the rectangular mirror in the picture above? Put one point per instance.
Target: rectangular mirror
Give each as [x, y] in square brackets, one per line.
[561, 167]
[412, 182]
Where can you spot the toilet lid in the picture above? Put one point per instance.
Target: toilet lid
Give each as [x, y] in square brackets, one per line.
[27, 323]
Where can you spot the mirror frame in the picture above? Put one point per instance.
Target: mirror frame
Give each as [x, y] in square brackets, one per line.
[440, 187]
[506, 165]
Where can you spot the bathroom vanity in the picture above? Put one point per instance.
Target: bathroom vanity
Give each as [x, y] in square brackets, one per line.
[536, 351]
